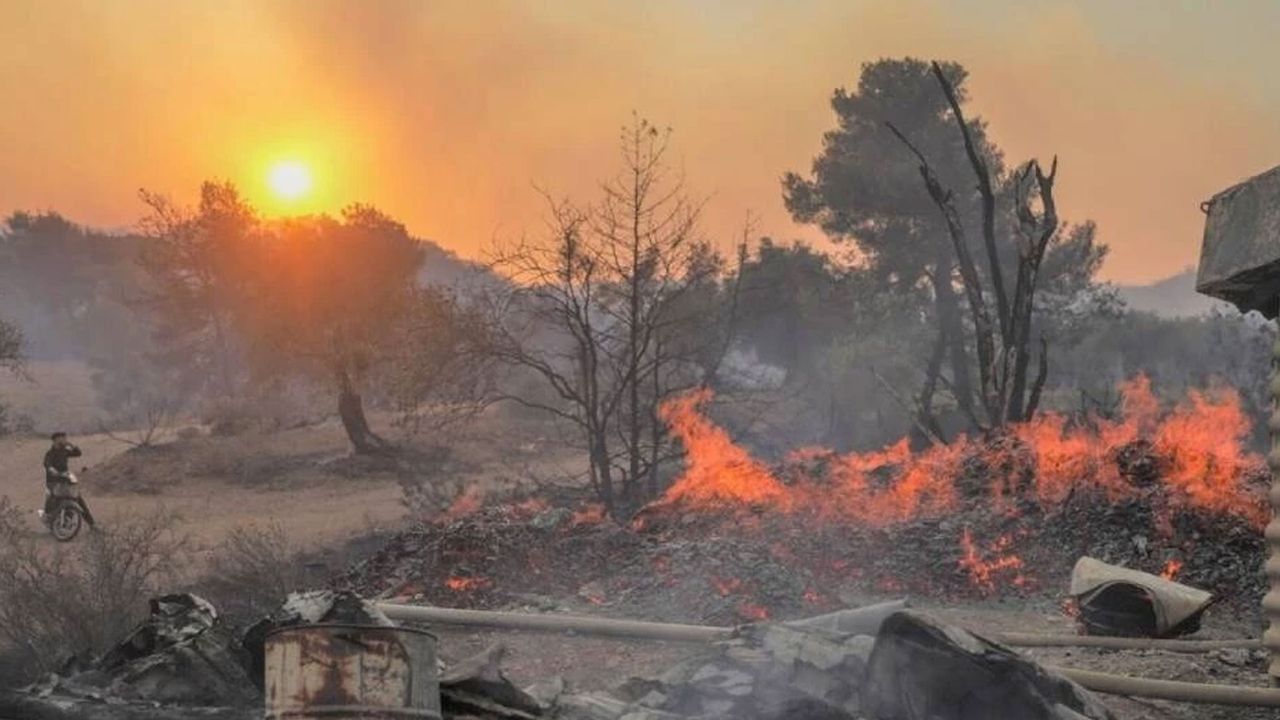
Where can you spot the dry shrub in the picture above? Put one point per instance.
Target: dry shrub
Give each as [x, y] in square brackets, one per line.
[230, 417]
[11, 524]
[253, 570]
[15, 424]
[269, 407]
[188, 433]
[80, 598]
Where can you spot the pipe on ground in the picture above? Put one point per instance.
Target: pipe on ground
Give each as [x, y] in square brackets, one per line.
[677, 632]
[577, 624]
[1123, 643]
[674, 632]
[1188, 692]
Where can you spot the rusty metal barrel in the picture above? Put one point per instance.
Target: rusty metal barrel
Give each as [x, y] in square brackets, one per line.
[344, 672]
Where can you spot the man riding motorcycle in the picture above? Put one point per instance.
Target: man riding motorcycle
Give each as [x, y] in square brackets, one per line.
[57, 475]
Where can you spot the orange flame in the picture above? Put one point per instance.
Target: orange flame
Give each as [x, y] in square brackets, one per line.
[531, 506]
[717, 471]
[1171, 569]
[890, 585]
[726, 586]
[468, 502]
[1070, 607]
[1201, 438]
[983, 572]
[467, 584]
[752, 611]
[590, 514]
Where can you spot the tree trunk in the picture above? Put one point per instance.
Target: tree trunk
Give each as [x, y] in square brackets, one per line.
[632, 488]
[1021, 360]
[932, 372]
[351, 412]
[950, 325]
[656, 429]
[602, 467]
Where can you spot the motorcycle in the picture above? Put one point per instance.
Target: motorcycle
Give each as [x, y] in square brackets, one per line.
[66, 513]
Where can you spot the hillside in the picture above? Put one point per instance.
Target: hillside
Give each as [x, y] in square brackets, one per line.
[1174, 296]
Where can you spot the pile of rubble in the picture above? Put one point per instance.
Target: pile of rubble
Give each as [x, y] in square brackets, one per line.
[880, 663]
[181, 656]
[695, 565]
[508, 555]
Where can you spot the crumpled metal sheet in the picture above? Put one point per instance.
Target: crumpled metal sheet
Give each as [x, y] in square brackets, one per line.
[327, 606]
[923, 669]
[1107, 595]
[174, 619]
[180, 656]
[476, 686]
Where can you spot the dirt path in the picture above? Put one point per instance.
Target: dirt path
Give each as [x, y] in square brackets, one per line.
[326, 513]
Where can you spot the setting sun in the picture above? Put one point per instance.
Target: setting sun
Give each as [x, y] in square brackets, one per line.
[289, 180]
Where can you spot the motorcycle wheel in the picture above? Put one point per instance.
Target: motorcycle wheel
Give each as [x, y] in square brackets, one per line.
[65, 523]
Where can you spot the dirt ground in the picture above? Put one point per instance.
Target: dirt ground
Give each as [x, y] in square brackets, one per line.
[321, 514]
[303, 479]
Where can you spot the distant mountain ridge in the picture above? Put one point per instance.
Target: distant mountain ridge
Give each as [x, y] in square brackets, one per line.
[1174, 296]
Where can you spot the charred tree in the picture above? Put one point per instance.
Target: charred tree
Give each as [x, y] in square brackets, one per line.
[982, 248]
[1003, 345]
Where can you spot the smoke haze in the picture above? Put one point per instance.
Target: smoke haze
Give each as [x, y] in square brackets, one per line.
[446, 117]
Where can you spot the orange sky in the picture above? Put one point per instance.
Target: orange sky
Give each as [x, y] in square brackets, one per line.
[446, 114]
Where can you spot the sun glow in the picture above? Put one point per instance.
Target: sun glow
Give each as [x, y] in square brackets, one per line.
[289, 180]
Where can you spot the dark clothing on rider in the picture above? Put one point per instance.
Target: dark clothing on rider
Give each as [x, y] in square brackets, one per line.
[55, 461]
[55, 468]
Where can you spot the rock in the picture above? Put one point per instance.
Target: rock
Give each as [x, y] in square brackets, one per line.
[1140, 544]
[547, 692]
[551, 519]
[1235, 657]
[593, 592]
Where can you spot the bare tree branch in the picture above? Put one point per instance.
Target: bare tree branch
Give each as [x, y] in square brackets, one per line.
[983, 173]
[913, 412]
[972, 281]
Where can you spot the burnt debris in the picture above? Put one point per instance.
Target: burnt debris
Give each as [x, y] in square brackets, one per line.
[852, 665]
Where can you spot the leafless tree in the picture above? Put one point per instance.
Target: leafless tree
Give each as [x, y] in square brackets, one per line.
[1003, 343]
[614, 312]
